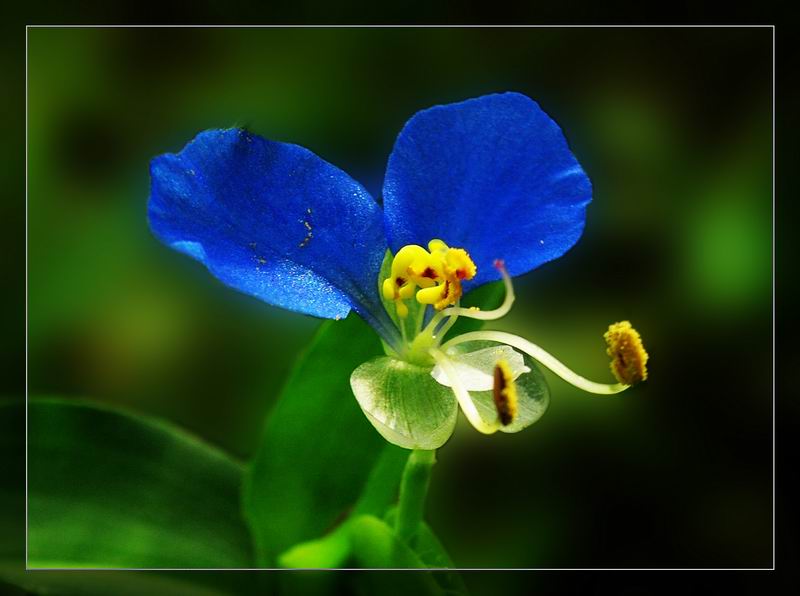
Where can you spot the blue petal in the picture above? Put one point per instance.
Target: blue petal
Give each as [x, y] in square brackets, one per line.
[272, 220]
[493, 175]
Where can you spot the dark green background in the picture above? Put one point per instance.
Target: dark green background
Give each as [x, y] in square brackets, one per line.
[673, 127]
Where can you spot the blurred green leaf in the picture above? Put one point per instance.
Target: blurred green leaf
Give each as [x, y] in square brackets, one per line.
[429, 549]
[368, 542]
[404, 403]
[426, 544]
[111, 489]
[103, 485]
[376, 546]
[726, 250]
[383, 483]
[334, 549]
[433, 554]
[318, 449]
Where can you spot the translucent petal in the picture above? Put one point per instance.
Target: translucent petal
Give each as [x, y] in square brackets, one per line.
[405, 405]
[476, 368]
[533, 393]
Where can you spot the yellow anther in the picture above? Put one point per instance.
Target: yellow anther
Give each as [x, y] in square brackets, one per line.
[441, 296]
[408, 259]
[437, 245]
[430, 295]
[398, 289]
[504, 393]
[425, 275]
[460, 264]
[437, 273]
[455, 265]
[403, 281]
[628, 356]
[402, 309]
[407, 291]
[389, 289]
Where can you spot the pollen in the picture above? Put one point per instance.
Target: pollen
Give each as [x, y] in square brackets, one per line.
[628, 356]
[460, 263]
[504, 393]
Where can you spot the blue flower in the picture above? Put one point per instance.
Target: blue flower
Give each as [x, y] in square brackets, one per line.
[493, 176]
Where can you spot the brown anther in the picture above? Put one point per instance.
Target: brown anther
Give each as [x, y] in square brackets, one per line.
[504, 393]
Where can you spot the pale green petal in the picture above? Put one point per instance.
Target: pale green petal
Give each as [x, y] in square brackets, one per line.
[533, 394]
[476, 368]
[404, 403]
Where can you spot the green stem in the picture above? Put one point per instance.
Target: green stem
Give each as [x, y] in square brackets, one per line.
[413, 490]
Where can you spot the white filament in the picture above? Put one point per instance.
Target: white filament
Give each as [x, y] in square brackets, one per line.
[541, 356]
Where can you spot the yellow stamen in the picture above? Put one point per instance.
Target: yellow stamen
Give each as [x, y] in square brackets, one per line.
[504, 393]
[437, 245]
[442, 295]
[438, 275]
[402, 309]
[460, 264]
[388, 289]
[403, 283]
[628, 356]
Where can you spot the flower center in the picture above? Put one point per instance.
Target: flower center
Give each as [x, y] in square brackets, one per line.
[434, 276]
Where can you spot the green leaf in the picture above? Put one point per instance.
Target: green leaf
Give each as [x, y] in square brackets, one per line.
[376, 546]
[110, 489]
[429, 549]
[404, 403]
[383, 483]
[433, 554]
[426, 544]
[318, 449]
[334, 549]
[370, 544]
[329, 552]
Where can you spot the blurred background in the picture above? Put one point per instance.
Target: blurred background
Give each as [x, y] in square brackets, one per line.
[673, 126]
